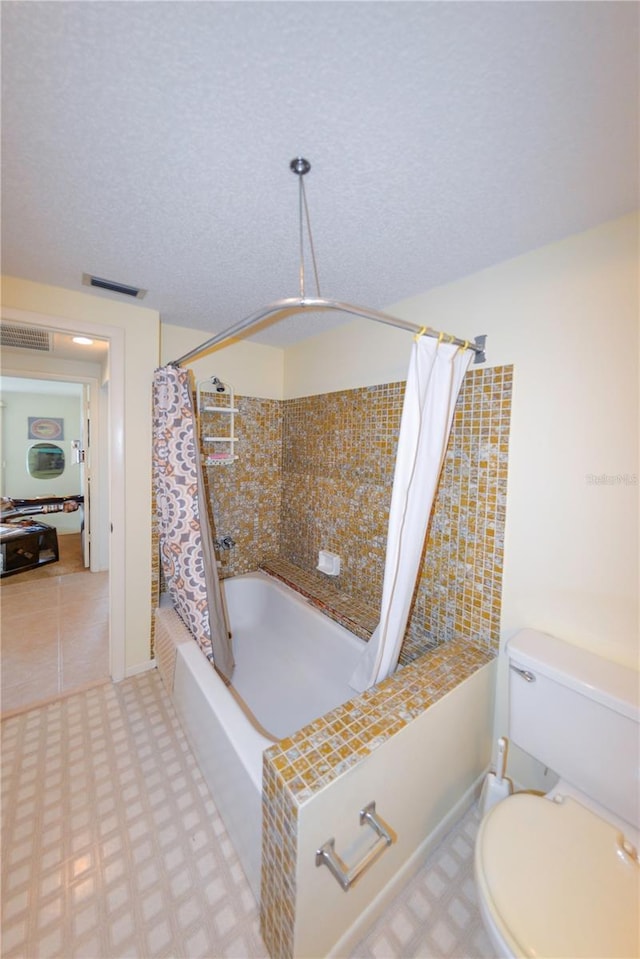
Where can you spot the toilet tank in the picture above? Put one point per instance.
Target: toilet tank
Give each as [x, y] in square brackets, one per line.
[579, 715]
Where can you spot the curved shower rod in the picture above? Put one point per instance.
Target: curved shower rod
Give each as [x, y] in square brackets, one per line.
[300, 304]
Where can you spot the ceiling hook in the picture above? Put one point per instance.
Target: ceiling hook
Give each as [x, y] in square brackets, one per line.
[300, 166]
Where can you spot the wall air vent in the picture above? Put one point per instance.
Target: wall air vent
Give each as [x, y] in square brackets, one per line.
[112, 286]
[25, 337]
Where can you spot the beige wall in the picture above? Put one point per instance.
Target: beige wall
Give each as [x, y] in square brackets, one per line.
[250, 368]
[140, 330]
[566, 316]
[360, 353]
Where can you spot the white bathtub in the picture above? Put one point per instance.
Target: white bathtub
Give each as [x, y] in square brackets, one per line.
[292, 666]
[292, 663]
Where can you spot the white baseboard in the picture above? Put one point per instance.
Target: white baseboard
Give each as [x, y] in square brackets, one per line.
[140, 668]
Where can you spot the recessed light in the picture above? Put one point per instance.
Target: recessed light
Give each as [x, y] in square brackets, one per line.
[82, 340]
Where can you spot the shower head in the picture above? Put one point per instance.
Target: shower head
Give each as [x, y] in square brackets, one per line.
[218, 384]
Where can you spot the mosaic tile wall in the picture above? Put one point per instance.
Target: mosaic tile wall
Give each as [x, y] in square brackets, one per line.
[460, 587]
[338, 460]
[316, 473]
[246, 495]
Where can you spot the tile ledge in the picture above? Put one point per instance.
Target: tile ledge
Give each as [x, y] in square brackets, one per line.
[345, 610]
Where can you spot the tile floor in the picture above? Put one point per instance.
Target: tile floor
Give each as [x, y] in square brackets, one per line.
[113, 847]
[55, 633]
[436, 914]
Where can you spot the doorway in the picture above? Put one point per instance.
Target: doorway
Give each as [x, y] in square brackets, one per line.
[54, 586]
[106, 490]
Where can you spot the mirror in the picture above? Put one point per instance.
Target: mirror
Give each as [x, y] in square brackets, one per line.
[45, 461]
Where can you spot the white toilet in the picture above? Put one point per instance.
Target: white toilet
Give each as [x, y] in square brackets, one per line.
[559, 875]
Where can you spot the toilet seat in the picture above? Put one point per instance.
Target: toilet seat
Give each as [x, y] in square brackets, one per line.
[555, 881]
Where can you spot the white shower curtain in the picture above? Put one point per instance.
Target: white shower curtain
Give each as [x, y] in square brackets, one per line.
[186, 543]
[436, 371]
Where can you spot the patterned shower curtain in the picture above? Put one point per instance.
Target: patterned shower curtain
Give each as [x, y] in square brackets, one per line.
[186, 544]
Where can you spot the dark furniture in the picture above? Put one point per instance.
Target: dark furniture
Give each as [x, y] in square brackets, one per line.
[25, 544]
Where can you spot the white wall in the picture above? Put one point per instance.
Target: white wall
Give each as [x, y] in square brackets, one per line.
[566, 317]
[133, 331]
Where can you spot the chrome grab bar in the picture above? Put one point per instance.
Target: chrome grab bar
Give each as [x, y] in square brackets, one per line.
[346, 876]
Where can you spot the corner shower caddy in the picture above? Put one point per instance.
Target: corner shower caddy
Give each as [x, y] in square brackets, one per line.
[214, 396]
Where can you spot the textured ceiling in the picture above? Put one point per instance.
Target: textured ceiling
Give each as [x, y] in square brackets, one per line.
[149, 143]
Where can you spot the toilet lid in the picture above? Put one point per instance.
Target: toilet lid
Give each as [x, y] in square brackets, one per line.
[556, 880]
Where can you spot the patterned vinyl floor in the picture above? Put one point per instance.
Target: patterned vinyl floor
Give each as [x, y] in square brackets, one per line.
[113, 847]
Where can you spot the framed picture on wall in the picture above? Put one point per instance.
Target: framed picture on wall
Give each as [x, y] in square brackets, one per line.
[45, 428]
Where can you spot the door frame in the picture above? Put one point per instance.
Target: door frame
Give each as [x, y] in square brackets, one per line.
[116, 464]
[91, 463]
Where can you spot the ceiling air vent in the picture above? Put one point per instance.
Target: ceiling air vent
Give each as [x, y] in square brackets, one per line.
[112, 286]
[25, 337]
